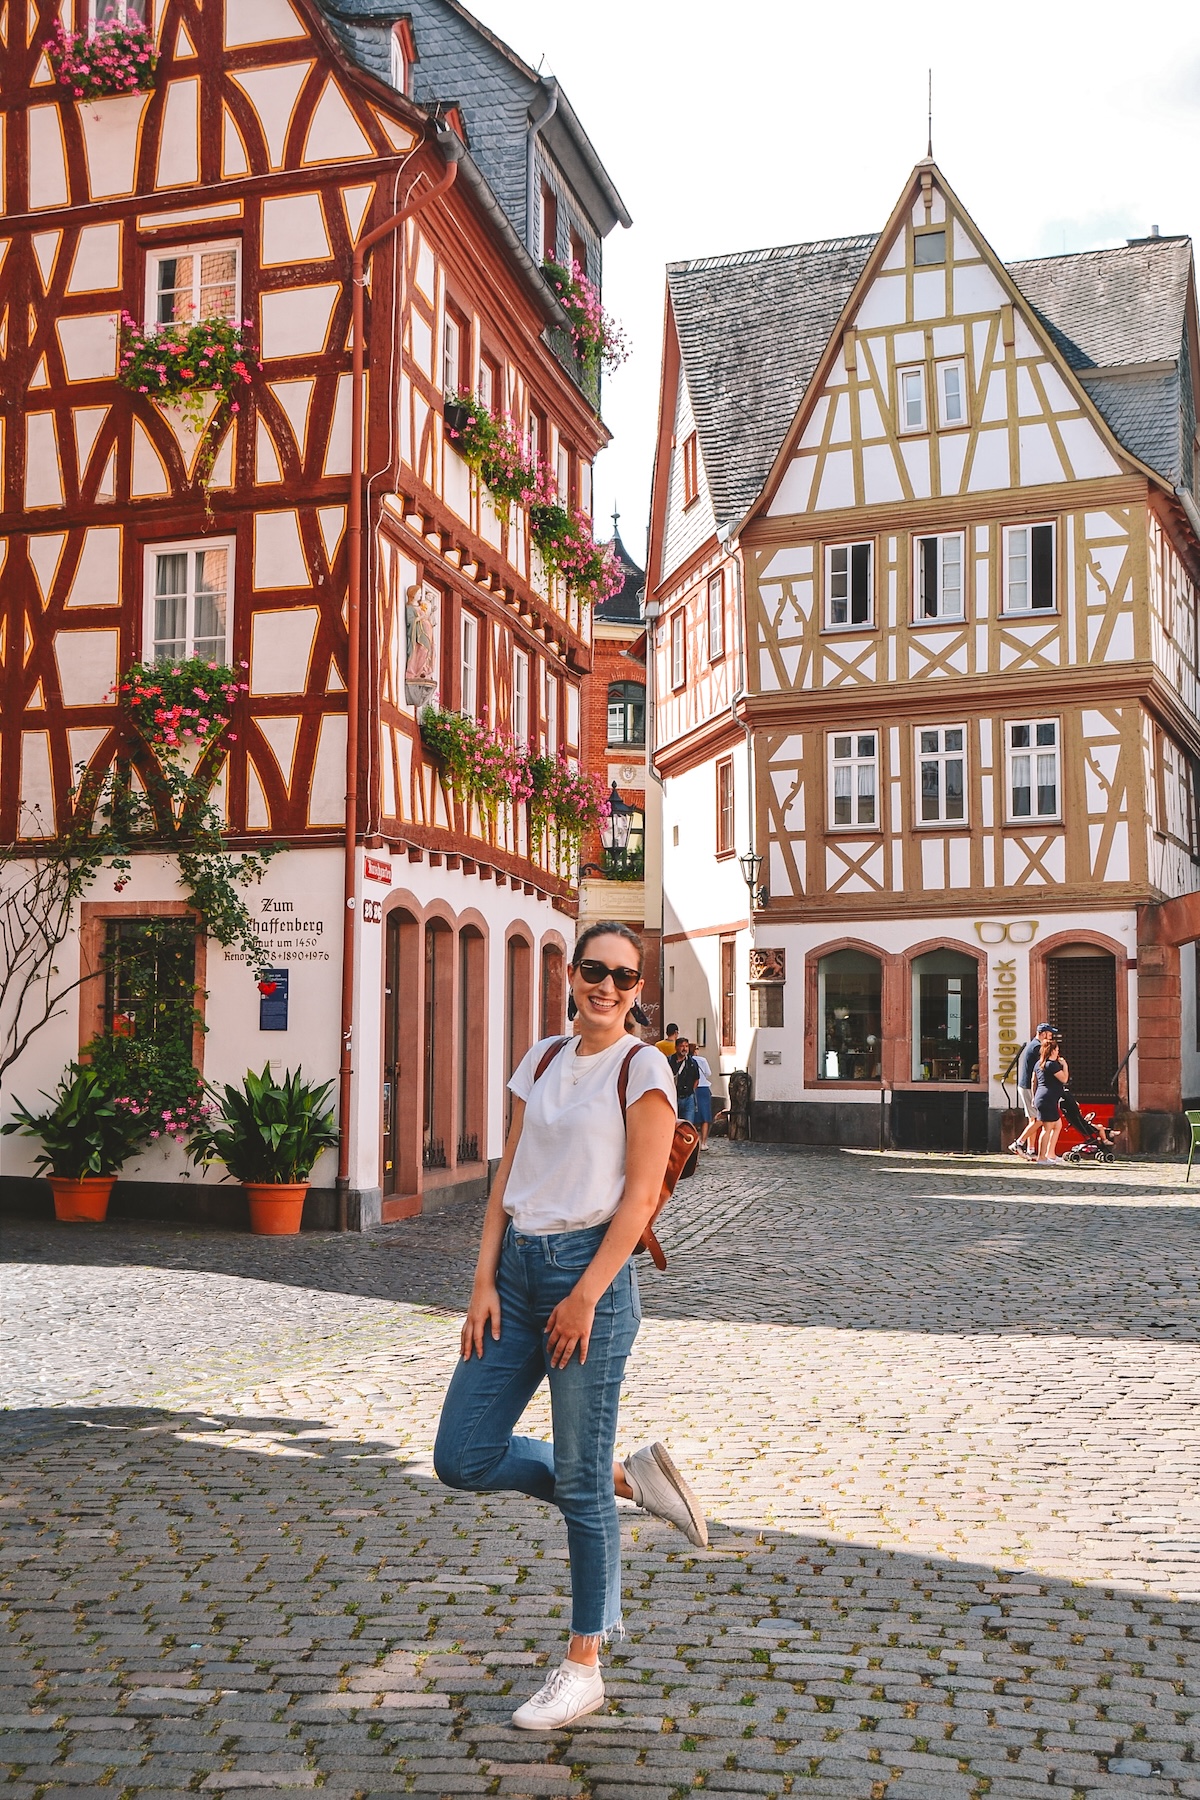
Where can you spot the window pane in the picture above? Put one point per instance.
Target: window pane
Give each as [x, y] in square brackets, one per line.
[1047, 733]
[866, 793]
[218, 276]
[929, 741]
[616, 722]
[170, 605]
[951, 577]
[930, 247]
[930, 795]
[954, 740]
[914, 407]
[954, 788]
[841, 796]
[1018, 570]
[952, 393]
[841, 746]
[839, 586]
[929, 577]
[860, 609]
[174, 288]
[866, 745]
[210, 574]
[946, 1008]
[1019, 736]
[1020, 787]
[1047, 775]
[1043, 566]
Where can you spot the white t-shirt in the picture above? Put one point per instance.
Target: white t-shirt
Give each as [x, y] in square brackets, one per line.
[569, 1170]
[705, 1071]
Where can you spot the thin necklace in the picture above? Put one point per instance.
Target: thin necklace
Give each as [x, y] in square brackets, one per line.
[577, 1066]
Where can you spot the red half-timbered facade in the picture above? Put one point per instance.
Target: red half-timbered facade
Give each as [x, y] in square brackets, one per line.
[238, 185]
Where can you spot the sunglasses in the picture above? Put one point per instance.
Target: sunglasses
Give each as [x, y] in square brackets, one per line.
[596, 972]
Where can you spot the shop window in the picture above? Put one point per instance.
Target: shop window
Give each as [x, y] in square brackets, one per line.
[945, 1001]
[849, 1007]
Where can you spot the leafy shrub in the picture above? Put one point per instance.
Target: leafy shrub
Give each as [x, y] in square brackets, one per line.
[266, 1130]
[85, 1130]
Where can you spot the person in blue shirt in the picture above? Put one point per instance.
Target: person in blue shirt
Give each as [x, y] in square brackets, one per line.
[1026, 1145]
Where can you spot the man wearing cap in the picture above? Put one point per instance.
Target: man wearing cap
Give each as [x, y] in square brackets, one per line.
[1026, 1064]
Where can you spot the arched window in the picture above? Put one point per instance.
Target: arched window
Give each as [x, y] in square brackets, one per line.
[945, 1016]
[627, 712]
[850, 987]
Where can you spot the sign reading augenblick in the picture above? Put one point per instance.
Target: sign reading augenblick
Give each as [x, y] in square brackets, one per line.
[1004, 1010]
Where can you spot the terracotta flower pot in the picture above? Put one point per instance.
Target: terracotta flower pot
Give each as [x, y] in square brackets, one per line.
[83, 1199]
[275, 1206]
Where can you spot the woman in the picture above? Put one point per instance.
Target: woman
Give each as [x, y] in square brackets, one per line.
[1050, 1076]
[555, 1299]
[704, 1105]
[686, 1071]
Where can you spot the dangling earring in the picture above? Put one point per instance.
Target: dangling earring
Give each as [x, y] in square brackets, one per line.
[572, 1009]
[638, 1016]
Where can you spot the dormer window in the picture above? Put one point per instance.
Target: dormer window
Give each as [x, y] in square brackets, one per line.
[929, 247]
[403, 55]
[691, 469]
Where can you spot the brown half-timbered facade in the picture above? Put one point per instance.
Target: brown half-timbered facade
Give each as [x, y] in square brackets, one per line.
[277, 136]
[955, 505]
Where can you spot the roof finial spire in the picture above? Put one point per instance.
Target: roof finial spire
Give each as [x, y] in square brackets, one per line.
[616, 517]
[929, 141]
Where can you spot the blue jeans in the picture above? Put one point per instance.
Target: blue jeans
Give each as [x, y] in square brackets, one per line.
[476, 1448]
[686, 1106]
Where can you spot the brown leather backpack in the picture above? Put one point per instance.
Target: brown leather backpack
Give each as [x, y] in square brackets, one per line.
[681, 1163]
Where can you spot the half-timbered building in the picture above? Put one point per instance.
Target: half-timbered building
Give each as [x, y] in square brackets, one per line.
[276, 137]
[926, 547]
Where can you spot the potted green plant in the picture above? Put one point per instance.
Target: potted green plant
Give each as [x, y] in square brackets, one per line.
[268, 1134]
[87, 1133]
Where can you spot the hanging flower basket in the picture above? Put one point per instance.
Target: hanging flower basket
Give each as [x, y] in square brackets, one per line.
[115, 58]
[569, 798]
[563, 535]
[457, 414]
[494, 449]
[180, 706]
[598, 339]
[479, 764]
[181, 364]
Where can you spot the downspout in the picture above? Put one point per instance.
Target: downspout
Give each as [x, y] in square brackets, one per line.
[651, 612]
[533, 131]
[740, 692]
[451, 149]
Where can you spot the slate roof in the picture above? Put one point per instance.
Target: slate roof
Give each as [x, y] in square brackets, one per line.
[752, 327]
[625, 606]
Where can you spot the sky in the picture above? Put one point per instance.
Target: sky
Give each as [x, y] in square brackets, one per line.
[1060, 126]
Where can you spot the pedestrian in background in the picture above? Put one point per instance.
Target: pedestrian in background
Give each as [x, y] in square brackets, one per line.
[555, 1299]
[704, 1100]
[667, 1044]
[1026, 1144]
[1050, 1077]
[687, 1079]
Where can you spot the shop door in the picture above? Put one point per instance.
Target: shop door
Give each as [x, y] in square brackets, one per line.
[1082, 1001]
[391, 1057]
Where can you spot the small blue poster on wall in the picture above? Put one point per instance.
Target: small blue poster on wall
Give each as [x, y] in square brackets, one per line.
[273, 1000]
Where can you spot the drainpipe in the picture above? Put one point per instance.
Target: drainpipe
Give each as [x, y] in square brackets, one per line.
[532, 133]
[651, 612]
[451, 149]
[729, 548]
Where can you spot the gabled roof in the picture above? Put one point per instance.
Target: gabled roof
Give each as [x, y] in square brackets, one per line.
[754, 326]
[751, 330]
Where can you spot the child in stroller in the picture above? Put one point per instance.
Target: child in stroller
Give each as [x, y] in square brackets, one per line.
[1097, 1145]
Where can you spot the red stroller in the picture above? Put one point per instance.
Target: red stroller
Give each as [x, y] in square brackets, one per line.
[1089, 1131]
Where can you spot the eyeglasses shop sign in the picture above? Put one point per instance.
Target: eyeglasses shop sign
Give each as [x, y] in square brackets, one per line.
[288, 931]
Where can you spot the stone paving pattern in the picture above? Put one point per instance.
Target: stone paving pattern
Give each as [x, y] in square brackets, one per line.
[942, 1413]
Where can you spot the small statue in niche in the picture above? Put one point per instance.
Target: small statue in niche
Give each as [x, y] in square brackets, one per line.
[420, 667]
[739, 1105]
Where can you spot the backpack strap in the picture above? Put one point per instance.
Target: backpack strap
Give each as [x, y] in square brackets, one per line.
[623, 1076]
[548, 1057]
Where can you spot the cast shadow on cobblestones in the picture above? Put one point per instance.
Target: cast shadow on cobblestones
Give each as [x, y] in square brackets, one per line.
[214, 1600]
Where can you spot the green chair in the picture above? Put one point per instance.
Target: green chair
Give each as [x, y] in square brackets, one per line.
[1193, 1119]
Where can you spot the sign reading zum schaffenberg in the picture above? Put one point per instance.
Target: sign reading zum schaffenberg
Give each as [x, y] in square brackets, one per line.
[289, 932]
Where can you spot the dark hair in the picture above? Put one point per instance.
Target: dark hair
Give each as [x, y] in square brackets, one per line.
[672, 1030]
[606, 928]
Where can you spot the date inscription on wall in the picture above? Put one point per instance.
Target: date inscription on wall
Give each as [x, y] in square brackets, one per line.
[288, 932]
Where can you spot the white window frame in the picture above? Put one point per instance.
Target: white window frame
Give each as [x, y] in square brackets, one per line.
[959, 561]
[550, 708]
[186, 547]
[1015, 752]
[572, 715]
[120, 10]
[715, 603]
[953, 365]
[468, 630]
[911, 380]
[938, 262]
[678, 649]
[833, 579]
[451, 353]
[585, 486]
[1018, 570]
[485, 386]
[853, 762]
[398, 69]
[938, 756]
[520, 696]
[163, 252]
[562, 473]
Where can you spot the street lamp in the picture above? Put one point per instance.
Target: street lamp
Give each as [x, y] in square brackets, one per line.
[623, 832]
[750, 866]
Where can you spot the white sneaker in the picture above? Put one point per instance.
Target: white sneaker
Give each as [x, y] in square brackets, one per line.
[659, 1488]
[572, 1690]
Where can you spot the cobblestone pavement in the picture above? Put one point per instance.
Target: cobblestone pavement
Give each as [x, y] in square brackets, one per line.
[942, 1412]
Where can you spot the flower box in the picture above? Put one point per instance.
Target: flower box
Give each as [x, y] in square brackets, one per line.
[181, 364]
[115, 58]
